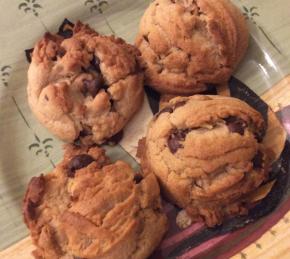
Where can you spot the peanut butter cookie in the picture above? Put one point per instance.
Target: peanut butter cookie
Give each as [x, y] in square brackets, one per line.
[89, 208]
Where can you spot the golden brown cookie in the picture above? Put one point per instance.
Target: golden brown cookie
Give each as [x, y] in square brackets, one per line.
[206, 152]
[84, 87]
[89, 208]
[186, 45]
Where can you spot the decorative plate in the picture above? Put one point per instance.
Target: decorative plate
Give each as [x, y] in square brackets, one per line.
[27, 149]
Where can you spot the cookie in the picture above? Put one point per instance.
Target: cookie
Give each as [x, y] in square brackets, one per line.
[207, 153]
[86, 86]
[186, 45]
[89, 208]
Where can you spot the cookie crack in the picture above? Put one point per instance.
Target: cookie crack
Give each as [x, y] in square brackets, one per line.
[139, 239]
[225, 153]
[148, 45]
[138, 245]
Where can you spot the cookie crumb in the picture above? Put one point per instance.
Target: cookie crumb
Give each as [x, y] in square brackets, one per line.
[183, 220]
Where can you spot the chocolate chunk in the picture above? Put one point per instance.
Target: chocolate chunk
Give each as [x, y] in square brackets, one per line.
[78, 162]
[46, 98]
[95, 64]
[61, 52]
[145, 37]
[175, 137]
[174, 144]
[138, 177]
[181, 134]
[236, 125]
[89, 87]
[258, 160]
[85, 133]
[92, 87]
[54, 58]
[261, 134]
[115, 139]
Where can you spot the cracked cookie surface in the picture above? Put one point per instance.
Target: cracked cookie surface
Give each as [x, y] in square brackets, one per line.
[89, 208]
[207, 153]
[85, 86]
[186, 45]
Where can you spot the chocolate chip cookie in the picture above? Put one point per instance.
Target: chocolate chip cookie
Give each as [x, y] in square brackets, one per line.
[207, 154]
[89, 208]
[84, 86]
[186, 45]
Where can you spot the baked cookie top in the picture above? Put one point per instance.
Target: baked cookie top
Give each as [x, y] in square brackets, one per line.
[86, 86]
[88, 208]
[206, 152]
[186, 45]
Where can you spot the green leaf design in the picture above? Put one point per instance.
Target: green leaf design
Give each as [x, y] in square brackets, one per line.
[103, 4]
[94, 7]
[34, 145]
[40, 146]
[48, 146]
[5, 68]
[47, 140]
[22, 5]
[37, 6]
[253, 8]
[37, 138]
[27, 9]
[30, 6]
[255, 14]
[246, 9]
[97, 5]
[89, 2]
[38, 152]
